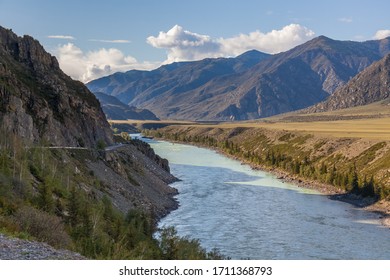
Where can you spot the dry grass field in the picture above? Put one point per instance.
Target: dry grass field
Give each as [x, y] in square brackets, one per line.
[371, 128]
[367, 122]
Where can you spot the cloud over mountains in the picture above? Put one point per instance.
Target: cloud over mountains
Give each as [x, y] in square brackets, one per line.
[94, 64]
[184, 45]
[381, 34]
[181, 45]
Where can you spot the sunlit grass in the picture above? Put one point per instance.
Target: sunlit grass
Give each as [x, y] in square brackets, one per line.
[369, 122]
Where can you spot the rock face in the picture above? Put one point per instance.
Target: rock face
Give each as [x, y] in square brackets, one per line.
[116, 110]
[145, 148]
[41, 103]
[135, 177]
[371, 85]
[218, 89]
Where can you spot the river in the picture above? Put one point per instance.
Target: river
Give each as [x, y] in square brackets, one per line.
[249, 214]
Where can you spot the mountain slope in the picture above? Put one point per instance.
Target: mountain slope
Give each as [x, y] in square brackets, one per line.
[39, 102]
[210, 90]
[371, 85]
[174, 78]
[116, 110]
[101, 202]
[286, 82]
[300, 77]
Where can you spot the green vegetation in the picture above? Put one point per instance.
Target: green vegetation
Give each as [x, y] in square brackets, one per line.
[101, 145]
[42, 198]
[291, 153]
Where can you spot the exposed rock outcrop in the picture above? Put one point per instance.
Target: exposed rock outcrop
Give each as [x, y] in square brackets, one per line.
[41, 103]
[134, 177]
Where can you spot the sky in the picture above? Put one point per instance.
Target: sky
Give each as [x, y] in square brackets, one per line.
[96, 38]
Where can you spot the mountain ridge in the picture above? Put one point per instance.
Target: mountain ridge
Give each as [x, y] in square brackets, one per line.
[194, 75]
[288, 81]
[369, 86]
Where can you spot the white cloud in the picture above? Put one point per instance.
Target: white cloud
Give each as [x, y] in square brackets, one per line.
[346, 19]
[63, 37]
[111, 41]
[272, 42]
[95, 64]
[381, 34]
[184, 45]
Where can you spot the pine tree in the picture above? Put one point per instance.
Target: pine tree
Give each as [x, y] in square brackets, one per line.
[74, 208]
[368, 188]
[331, 176]
[45, 198]
[355, 183]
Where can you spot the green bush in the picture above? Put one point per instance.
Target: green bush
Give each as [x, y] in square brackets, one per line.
[101, 145]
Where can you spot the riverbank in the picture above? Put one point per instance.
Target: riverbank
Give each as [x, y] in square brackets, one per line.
[381, 207]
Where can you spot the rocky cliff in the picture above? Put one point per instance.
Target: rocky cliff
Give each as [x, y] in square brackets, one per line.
[41, 103]
[134, 177]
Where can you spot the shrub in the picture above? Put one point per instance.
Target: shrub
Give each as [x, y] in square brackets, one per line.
[101, 145]
[43, 226]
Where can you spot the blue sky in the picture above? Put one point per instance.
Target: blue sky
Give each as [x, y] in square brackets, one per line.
[95, 38]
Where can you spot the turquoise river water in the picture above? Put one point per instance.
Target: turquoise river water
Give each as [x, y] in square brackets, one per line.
[249, 214]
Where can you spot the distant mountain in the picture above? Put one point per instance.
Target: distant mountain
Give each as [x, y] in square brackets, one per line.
[371, 85]
[116, 110]
[219, 89]
[41, 103]
[174, 78]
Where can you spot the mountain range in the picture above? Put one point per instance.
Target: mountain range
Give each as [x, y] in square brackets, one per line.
[252, 85]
